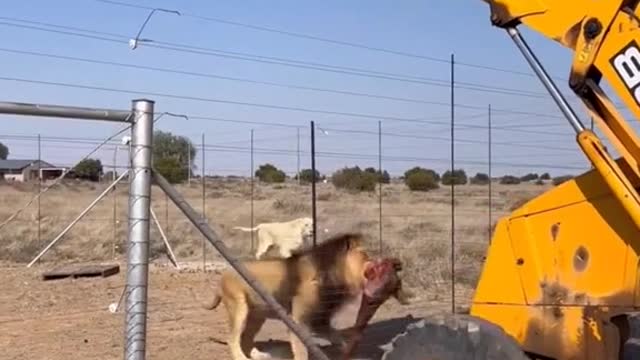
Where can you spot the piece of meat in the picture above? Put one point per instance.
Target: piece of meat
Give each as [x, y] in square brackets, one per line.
[382, 283]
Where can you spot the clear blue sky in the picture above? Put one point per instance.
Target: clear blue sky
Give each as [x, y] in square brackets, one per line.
[428, 28]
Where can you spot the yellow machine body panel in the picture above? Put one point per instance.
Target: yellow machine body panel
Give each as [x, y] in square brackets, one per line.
[562, 270]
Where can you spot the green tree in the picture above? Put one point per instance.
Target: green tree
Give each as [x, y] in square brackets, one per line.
[418, 179]
[530, 177]
[306, 176]
[383, 177]
[171, 155]
[457, 177]
[171, 170]
[480, 179]
[270, 174]
[89, 169]
[354, 179]
[432, 173]
[545, 176]
[4, 151]
[510, 180]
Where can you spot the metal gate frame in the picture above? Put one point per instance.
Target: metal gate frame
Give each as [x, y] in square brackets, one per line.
[141, 175]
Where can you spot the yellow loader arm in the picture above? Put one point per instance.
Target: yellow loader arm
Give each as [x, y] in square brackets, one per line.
[603, 36]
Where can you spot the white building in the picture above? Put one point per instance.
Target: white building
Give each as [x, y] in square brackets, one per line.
[26, 170]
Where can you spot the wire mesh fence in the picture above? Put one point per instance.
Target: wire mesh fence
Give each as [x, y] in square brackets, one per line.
[414, 225]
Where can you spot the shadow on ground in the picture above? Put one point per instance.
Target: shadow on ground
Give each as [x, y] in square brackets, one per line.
[376, 335]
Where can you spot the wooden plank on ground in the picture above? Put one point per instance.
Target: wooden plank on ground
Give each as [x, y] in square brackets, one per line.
[76, 271]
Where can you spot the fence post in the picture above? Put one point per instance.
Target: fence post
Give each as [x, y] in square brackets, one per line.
[252, 196]
[114, 192]
[138, 247]
[380, 181]
[39, 189]
[490, 179]
[204, 206]
[313, 181]
[453, 201]
[298, 155]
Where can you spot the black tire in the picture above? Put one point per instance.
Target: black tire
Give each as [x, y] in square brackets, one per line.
[631, 347]
[453, 337]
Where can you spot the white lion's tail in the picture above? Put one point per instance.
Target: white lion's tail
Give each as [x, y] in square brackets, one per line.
[246, 229]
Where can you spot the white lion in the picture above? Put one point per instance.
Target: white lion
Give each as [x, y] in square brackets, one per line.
[287, 236]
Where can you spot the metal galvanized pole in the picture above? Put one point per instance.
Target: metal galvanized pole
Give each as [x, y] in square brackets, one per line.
[204, 207]
[298, 154]
[380, 185]
[172, 256]
[115, 204]
[313, 181]
[252, 196]
[453, 201]
[490, 178]
[166, 212]
[139, 215]
[301, 332]
[68, 112]
[39, 188]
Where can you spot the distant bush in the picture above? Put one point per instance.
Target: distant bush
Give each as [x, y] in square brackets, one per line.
[89, 169]
[539, 182]
[306, 176]
[432, 173]
[418, 179]
[383, 178]
[509, 180]
[4, 151]
[354, 179]
[530, 177]
[457, 177]
[480, 179]
[545, 176]
[560, 179]
[270, 174]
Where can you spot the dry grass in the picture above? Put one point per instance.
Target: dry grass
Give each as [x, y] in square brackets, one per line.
[415, 226]
[69, 319]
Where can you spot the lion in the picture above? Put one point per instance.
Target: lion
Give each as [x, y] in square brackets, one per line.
[312, 285]
[288, 236]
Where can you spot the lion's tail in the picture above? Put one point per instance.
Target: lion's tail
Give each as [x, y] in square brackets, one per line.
[245, 228]
[213, 303]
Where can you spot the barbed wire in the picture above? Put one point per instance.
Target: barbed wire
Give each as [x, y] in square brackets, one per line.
[339, 154]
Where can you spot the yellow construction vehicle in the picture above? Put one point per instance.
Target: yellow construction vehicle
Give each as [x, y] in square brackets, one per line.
[560, 280]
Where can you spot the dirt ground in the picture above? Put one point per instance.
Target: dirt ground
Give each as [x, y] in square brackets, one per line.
[70, 319]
